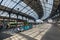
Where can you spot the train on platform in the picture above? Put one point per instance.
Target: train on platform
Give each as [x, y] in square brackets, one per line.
[17, 25]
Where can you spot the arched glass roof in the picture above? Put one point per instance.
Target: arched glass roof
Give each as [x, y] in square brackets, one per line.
[47, 8]
[19, 5]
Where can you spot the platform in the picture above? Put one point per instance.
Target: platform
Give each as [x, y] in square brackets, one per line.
[35, 33]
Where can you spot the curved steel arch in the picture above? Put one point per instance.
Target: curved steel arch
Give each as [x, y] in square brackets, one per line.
[3, 8]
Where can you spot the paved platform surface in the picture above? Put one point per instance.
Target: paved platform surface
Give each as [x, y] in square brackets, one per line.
[35, 33]
[53, 33]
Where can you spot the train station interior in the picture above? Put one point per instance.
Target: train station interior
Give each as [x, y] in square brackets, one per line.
[29, 19]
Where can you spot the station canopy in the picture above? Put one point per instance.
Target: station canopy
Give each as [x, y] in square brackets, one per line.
[36, 9]
[19, 6]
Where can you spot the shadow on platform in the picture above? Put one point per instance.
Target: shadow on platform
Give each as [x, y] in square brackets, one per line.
[53, 33]
[26, 36]
[4, 36]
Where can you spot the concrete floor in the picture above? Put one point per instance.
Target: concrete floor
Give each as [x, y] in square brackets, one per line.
[41, 32]
[53, 33]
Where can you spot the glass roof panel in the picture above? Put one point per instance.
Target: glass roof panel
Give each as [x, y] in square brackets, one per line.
[24, 10]
[15, 1]
[12, 4]
[5, 14]
[8, 3]
[19, 17]
[13, 16]
[3, 3]
[1, 12]
[18, 7]
[23, 4]
[31, 14]
[47, 6]
[31, 11]
[24, 18]
[28, 12]
[28, 7]
[0, 0]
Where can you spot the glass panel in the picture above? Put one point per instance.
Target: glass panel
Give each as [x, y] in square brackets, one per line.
[23, 4]
[12, 4]
[13, 16]
[5, 14]
[0, 0]
[24, 10]
[24, 18]
[16, 1]
[4, 1]
[1, 12]
[8, 3]
[19, 17]
[18, 7]
[28, 7]
[31, 14]
[28, 12]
